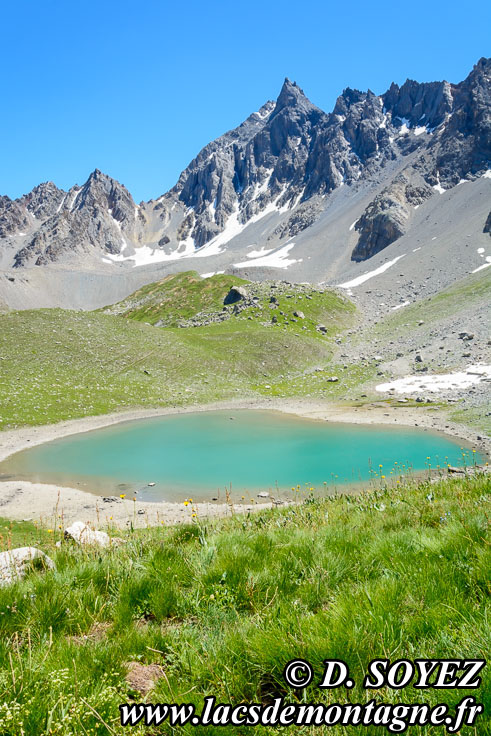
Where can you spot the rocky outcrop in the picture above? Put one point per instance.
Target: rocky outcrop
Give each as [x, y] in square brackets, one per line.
[13, 217]
[44, 201]
[487, 224]
[387, 217]
[415, 104]
[464, 146]
[303, 217]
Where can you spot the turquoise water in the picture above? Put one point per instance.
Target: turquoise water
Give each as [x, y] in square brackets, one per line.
[200, 454]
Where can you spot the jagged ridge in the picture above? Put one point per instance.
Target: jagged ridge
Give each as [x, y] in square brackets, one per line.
[284, 159]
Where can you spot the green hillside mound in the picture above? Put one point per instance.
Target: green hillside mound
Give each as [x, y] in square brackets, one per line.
[175, 298]
[58, 364]
[188, 300]
[219, 608]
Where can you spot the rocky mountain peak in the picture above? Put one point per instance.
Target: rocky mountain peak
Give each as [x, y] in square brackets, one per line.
[283, 163]
[346, 99]
[44, 200]
[418, 103]
[101, 192]
[291, 96]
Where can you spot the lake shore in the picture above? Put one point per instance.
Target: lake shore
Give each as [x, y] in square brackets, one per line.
[52, 504]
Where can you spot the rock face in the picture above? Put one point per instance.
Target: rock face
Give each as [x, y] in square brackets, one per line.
[280, 157]
[285, 161]
[387, 217]
[487, 224]
[13, 216]
[15, 563]
[97, 215]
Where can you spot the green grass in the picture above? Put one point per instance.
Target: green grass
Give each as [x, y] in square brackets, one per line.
[57, 364]
[222, 606]
[175, 298]
[22, 534]
[183, 296]
[474, 289]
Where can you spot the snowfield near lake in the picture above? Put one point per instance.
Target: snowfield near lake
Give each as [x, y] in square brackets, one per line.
[438, 382]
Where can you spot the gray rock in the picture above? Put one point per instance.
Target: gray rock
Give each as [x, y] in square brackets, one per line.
[387, 217]
[236, 294]
[83, 534]
[16, 562]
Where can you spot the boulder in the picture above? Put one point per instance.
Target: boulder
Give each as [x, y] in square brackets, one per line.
[299, 314]
[83, 534]
[236, 294]
[15, 562]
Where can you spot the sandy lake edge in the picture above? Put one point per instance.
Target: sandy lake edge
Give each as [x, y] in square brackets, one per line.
[52, 504]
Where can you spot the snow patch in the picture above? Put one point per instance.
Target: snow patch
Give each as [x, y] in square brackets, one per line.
[399, 306]
[74, 198]
[259, 253]
[481, 250]
[366, 276]
[232, 228]
[438, 382]
[419, 129]
[209, 275]
[352, 226]
[278, 258]
[262, 117]
[298, 199]
[438, 187]
[61, 203]
[487, 174]
[146, 255]
[262, 187]
[481, 268]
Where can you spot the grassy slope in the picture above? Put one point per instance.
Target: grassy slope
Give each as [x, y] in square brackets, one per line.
[176, 297]
[224, 605]
[474, 289]
[468, 293]
[57, 364]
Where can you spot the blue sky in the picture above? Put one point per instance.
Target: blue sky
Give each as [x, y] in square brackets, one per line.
[136, 89]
